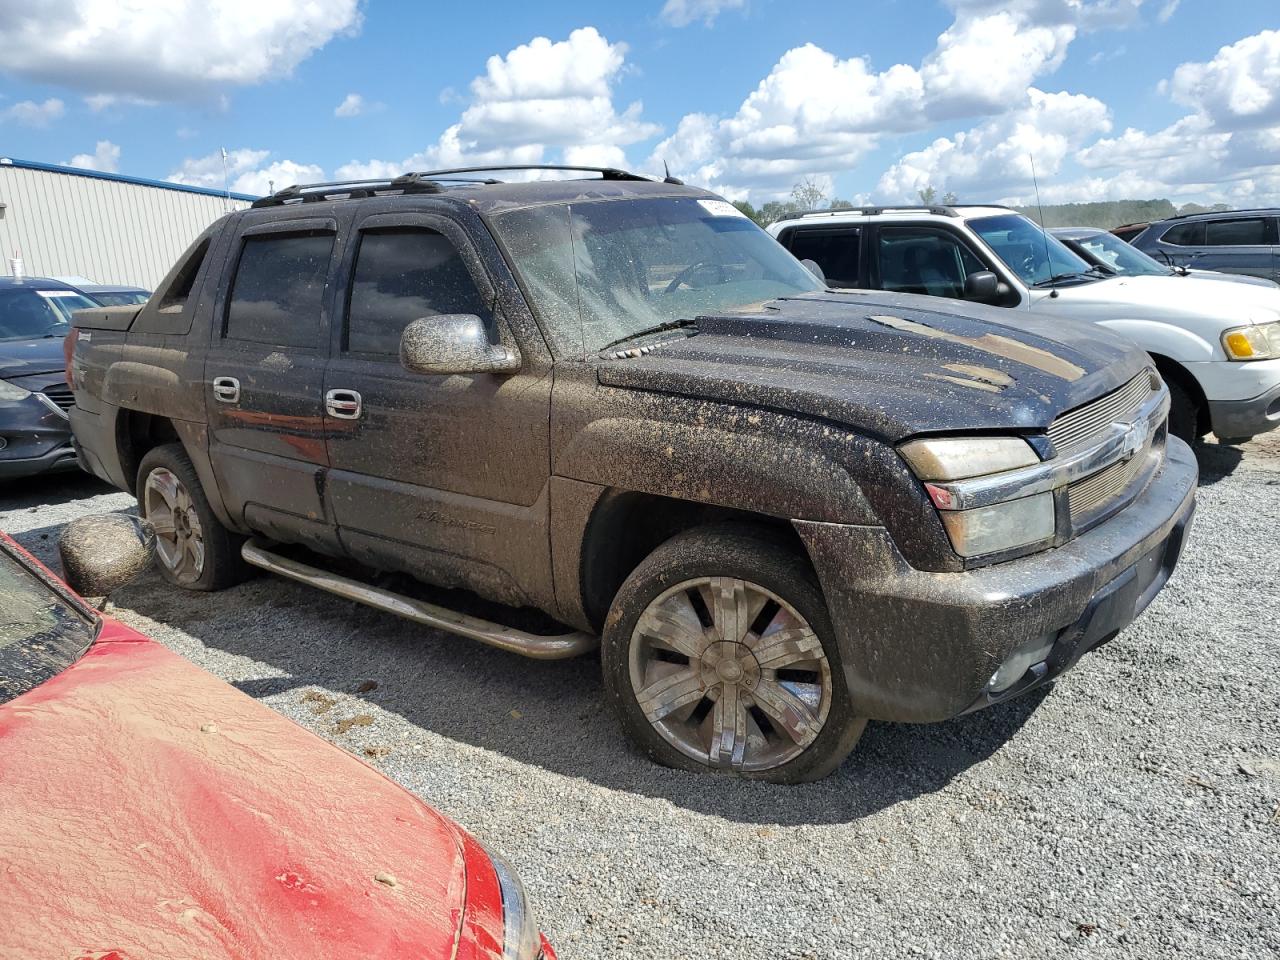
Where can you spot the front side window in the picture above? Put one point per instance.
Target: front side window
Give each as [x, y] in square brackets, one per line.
[835, 251]
[279, 288]
[601, 271]
[1033, 255]
[921, 260]
[28, 314]
[40, 633]
[1236, 233]
[401, 275]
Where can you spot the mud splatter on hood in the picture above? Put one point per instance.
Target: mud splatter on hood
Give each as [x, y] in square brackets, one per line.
[889, 365]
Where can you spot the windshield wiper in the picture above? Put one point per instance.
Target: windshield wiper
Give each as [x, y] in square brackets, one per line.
[1095, 272]
[656, 328]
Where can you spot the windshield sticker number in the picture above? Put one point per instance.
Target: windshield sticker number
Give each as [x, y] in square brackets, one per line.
[52, 294]
[721, 208]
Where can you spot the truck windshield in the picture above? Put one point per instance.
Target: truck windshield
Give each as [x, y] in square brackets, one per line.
[32, 314]
[1111, 251]
[40, 633]
[599, 272]
[1035, 256]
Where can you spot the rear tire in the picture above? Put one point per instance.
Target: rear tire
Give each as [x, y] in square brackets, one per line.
[719, 656]
[193, 549]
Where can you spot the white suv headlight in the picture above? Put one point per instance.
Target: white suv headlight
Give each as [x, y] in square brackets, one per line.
[1258, 341]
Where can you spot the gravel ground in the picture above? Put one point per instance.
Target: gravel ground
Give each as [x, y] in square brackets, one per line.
[1133, 811]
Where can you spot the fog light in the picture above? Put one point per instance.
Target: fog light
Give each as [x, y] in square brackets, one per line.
[1019, 662]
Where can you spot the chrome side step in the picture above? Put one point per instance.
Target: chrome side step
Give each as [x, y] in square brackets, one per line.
[558, 647]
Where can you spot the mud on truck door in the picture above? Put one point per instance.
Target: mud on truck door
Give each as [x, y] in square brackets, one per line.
[442, 476]
[264, 380]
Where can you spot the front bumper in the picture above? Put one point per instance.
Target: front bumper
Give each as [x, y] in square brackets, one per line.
[920, 647]
[1240, 419]
[36, 438]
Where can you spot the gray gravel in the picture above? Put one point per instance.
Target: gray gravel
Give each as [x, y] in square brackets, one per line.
[1133, 811]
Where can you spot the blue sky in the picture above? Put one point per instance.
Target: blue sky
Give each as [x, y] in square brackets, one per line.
[1114, 98]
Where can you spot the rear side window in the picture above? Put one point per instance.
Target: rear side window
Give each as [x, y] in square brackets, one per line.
[1185, 234]
[278, 289]
[1236, 233]
[401, 275]
[179, 292]
[835, 251]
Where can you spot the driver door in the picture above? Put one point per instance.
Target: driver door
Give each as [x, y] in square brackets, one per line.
[443, 477]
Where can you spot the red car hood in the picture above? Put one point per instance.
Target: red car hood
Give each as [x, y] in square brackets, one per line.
[152, 812]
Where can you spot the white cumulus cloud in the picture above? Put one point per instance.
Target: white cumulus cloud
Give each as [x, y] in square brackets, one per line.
[544, 101]
[352, 105]
[105, 157]
[1240, 87]
[166, 51]
[32, 114]
[246, 172]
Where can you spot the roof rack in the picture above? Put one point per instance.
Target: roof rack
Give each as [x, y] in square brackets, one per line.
[428, 181]
[940, 210]
[348, 190]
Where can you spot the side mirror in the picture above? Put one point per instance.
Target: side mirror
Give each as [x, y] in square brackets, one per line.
[101, 554]
[982, 286]
[453, 343]
[813, 267]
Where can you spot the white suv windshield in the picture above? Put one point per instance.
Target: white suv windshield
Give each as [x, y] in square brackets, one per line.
[1122, 257]
[1035, 256]
[602, 271]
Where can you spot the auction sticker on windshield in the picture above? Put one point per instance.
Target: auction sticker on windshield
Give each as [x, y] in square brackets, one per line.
[721, 208]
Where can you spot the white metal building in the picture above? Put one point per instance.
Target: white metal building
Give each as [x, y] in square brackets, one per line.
[66, 221]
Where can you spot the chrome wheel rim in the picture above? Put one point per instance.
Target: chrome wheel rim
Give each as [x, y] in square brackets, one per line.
[730, 674]
[167, 506]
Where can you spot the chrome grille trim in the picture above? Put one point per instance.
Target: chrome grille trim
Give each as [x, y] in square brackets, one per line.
[1083, 424]
[1084, 495]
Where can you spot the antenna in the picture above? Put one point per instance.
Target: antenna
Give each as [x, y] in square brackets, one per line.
[226, 182]
[1048, 257]
[667, 177]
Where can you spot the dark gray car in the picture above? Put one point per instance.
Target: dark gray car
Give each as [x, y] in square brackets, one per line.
[1240, 241]
[1104, 249]
[35, 315]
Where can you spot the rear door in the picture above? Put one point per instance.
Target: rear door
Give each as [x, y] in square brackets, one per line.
[440, 476]
[1239, 245]
[264, 378]
[920, 258]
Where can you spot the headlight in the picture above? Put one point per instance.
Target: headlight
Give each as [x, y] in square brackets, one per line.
[959, 458]
[989, 529]
[1001, 526]
[1258, 341]
[520, 939]
[10, 391]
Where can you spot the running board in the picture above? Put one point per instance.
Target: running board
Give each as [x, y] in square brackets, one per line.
[558, 647]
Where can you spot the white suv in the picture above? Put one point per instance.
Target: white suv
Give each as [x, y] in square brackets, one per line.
[1217, 345]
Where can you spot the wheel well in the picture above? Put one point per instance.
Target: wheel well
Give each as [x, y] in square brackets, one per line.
[137, 434]
[1174, 372]
[626, 527]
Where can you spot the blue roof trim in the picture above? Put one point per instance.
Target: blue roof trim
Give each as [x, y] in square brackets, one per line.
[120, 178]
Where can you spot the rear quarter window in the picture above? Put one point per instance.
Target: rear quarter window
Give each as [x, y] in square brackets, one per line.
[278, 290]
[835, 251]
[1185, 235]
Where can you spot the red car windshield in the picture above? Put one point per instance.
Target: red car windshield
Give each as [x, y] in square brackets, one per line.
[41, 634]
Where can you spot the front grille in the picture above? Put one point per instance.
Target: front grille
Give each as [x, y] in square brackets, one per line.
[1082, 424]
[1084, 495]
[61, 395]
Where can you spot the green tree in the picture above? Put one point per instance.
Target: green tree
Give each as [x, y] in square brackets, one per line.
[950, 199]
[927, 195]
[750, 211]
[807, 195]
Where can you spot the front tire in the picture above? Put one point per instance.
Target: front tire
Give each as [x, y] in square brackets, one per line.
[193, 549]
[1184, 413]
[718, 655]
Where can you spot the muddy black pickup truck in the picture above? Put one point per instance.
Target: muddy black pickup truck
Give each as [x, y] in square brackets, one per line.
[780, 510]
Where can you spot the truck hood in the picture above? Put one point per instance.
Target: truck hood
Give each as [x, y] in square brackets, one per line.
[889, 365]
[152, 810]
[24, 358]
[1167, 299]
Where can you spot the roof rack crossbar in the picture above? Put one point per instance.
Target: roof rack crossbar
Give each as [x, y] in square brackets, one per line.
[606, 173]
